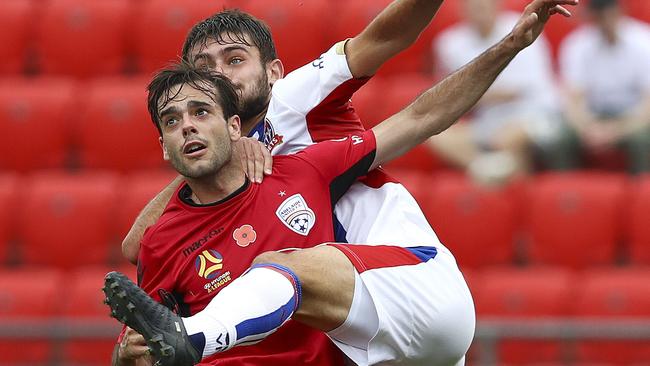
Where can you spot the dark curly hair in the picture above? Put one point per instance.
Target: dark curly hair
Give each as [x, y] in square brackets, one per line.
[213, 84]
[228, 26]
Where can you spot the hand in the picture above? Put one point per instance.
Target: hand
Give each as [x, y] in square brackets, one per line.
[255, 158]
[533, 19]
[601, 136]
[133, 346]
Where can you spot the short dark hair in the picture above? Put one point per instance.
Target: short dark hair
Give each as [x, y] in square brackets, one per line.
[598, 5]
[236, 25]
[213, 84]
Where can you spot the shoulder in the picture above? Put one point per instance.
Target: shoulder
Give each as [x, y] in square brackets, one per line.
[579, 41]
[168, 220]
[581, 36]
[636, 32]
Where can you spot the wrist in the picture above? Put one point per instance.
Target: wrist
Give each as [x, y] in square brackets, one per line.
[509, 45]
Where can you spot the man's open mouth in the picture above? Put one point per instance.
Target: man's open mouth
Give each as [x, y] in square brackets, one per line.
[193, 148]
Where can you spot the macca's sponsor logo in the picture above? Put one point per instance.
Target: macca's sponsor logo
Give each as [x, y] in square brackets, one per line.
[199, 243]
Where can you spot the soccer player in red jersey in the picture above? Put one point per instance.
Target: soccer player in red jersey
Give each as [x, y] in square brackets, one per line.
[424, 317]
[311, 104]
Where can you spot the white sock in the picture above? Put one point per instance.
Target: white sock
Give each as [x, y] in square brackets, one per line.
[247, 310]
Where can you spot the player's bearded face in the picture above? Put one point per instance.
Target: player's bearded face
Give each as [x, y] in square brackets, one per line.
[195, 135]
[242, 64]
[254, 96]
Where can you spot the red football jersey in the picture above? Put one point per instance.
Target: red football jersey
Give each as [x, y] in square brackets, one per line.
[194, 251]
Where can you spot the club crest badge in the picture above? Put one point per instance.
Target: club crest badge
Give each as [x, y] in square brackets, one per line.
[296, 215]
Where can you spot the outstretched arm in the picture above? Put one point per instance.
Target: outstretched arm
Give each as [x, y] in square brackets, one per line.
[439, 107]
[392, 31]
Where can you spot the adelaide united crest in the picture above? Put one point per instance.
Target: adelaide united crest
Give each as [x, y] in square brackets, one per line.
[296, 215]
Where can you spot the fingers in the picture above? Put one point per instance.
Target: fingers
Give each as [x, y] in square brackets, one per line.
[135, 351]
[255, 159]
[267, 159]
[560, 10]
[249, 154]
[133, 345]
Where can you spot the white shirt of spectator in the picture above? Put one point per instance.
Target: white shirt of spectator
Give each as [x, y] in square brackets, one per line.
[530, 73]
[614, 76]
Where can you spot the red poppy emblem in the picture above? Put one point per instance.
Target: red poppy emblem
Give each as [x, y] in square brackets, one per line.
[244, 236]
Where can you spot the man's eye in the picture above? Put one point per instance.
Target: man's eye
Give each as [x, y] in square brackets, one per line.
[170, 121]
[201, 112]
[236, 61]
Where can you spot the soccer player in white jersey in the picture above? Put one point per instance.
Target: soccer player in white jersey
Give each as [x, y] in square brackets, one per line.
[335, 288]
[241, 46]
[312, 105]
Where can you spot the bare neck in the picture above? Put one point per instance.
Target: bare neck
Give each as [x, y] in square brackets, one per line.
[218, 186]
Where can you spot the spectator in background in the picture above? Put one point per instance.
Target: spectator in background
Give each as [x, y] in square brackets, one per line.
[517, 114]
[606, 69]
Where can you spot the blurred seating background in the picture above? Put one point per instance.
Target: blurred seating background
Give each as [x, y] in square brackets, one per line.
[557, 261]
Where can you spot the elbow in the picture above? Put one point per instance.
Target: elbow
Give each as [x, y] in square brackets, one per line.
[130, 250]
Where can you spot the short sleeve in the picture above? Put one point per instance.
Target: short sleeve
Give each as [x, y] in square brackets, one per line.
[342, 161]
[309, 85]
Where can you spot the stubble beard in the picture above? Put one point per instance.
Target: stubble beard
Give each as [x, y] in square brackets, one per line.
[206, 170]
[258, 101]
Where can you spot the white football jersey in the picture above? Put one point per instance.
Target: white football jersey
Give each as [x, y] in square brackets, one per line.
[312, 104]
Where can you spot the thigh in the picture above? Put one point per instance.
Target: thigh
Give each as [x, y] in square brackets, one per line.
[425, 310]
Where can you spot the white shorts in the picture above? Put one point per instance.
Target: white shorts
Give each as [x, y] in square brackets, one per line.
[417, 302]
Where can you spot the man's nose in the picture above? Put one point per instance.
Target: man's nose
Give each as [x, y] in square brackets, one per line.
[188, 127]
[219, 68]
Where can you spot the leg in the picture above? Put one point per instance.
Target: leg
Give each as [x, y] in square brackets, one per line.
[637, 148]
[455, 145]
[327, 281]
[277, 286]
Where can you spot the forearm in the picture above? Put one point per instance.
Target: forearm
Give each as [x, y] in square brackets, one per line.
[577, 113]
[638, 118]
[147, 217]
[442, 105]
[392, 31]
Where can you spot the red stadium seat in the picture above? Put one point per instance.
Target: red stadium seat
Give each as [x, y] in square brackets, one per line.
[477, 224]
[140, 189]
[8, 205]
[298, 28]
[353, 16]
[15, 24]
[381, 98]
[34, 114]
[83, 38]
[575, 219]
[510, 293]
[523, 293]
[614, 294]
[27, 297]
[559, 27]
[65, 220]
[369, 100]
[418, 183]
[399, 92]
[88, 309]
[161, 26]
[639, 217]
[639, 9]
[115, 130]
[403, 89]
